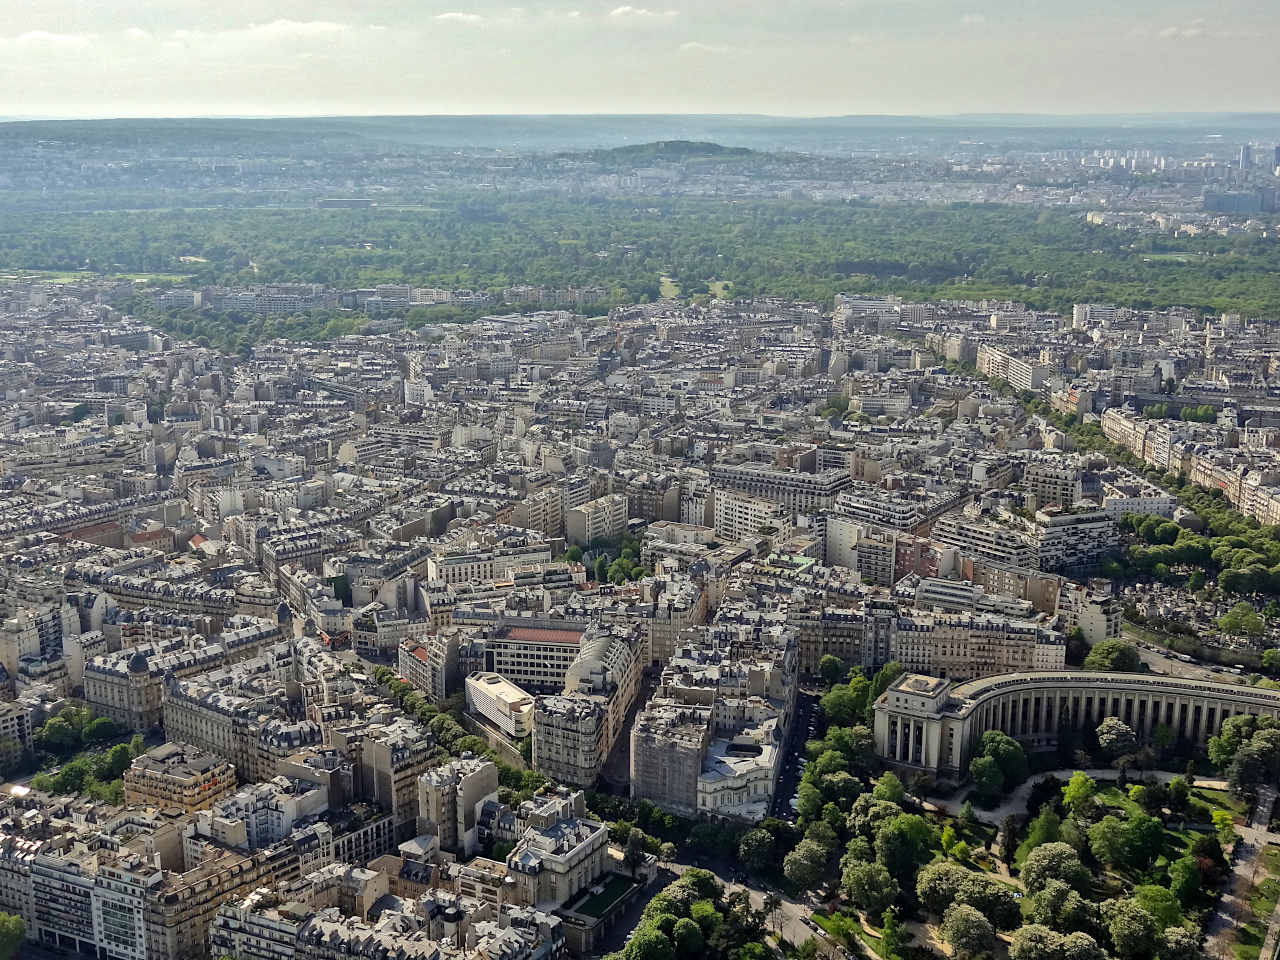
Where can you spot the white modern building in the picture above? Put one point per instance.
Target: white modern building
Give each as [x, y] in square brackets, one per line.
[500, 702]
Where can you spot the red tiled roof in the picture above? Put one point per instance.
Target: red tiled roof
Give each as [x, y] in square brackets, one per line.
[541, 635]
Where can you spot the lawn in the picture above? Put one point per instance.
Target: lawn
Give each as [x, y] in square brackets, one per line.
[597, 905]
[1206, 800]
[1262, 903]
[668, 288]
[1271, 859]
[1118, 801]
[845, 923]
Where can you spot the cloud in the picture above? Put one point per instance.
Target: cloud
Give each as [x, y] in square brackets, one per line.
[973, 18]
[47, 38]
[696, 46]
[1189, 31]
[642, 13]
[295, 28]
[453, 16]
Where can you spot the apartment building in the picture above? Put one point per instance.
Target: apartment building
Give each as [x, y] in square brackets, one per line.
[469, 565]
[569, 734]
[1018, 373]
[986, 538]
[1074, 539]
[794, 490]
[741, 516]
[1051, 483]
[179, 776]
[450, 798]
[430, 663]
[668, 742]
[604, 518]
[1093, 608]
[561, 853]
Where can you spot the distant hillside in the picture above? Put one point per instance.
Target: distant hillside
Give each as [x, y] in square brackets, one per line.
[668, 150]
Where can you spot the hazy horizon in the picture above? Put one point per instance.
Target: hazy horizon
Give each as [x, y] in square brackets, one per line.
[809, 58]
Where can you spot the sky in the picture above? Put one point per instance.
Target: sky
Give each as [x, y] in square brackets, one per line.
[784, 57]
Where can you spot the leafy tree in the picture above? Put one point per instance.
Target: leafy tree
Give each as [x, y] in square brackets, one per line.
[805, 865]
[116, 762]
[1224, 826]
[649, 943]
[58, 736]
[821, 833]
[755, 850]
[870, 887]
[830, 761]
[842, 707]
[985, 774]
[1242, 621]
[948, 838]
[1054, 861]
[1107, 839]
[1113, 656]
[706, 915]
[13, 932]
[1177, 943]
[893, 939]
[1144, 839]
[1207, 849]
[1116, 738]
[968, 932]
[1035, 942]
[1134, 932]
[1008, 838]
[856, 744]
[939, 884]
[903, 844]
[1059, 907]
[1160, 903]
[869, 814]
[1079, 794]
[889, 788]
[1045, 828]
[667, 852]
[1008, 755]
[634, 852]
[809, 802]
[830, 669]
[1184, 879]
[687, 937]
[1080, 946]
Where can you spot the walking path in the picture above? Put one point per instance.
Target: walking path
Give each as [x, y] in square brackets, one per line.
[1016, 802]
[1262, 821]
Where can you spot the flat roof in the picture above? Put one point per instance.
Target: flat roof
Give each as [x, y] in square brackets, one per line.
[544, 635]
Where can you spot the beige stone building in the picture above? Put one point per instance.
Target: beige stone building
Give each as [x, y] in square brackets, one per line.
[932, 724]
[178, 775]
